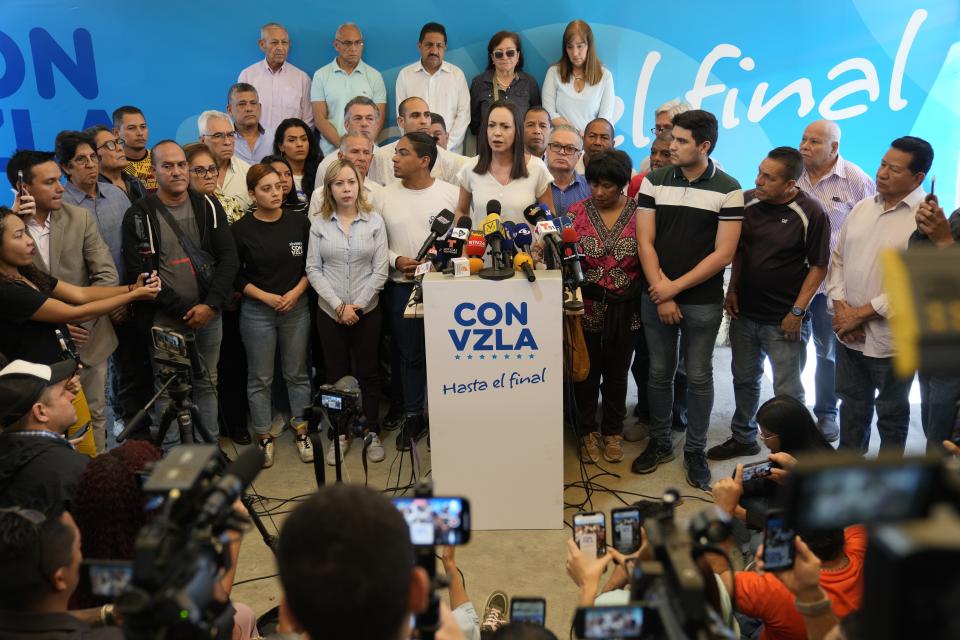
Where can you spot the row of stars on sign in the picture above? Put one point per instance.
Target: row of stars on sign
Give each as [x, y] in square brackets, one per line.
[506, 356]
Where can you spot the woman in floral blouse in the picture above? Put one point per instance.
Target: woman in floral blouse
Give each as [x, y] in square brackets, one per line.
[607, 225]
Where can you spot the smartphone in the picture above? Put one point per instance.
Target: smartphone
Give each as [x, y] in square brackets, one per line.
[623, 621]
[590, 533]
[20, 188]
[436, 520]
[106, 579]
[779, 542]
[931, 196]
[532, 610]
[626, 524]
[755, 470]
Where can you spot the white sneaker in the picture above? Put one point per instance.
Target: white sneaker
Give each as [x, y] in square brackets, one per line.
[375, 452]
[332, 454]
[277, 425]
[305, 447]
[266, 445]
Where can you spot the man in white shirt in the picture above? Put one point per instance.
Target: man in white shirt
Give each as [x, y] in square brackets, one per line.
[410, 204]
[838, 184]
[413, 115]
[358, 149]
[218, 133]
[440, 83]
[283, 88]
[865, 378]
[360, 116]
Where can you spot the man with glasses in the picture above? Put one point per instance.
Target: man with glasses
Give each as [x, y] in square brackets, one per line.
[109, 150]
[284, 89]
[335, 84]
[38, 465]
[563, 152]
[663, 123]
[414, 116]
[361, 117]
[441, 84]
[131, 127]
[536, 130]
[218, 133]
[243, 105]
[358, 149]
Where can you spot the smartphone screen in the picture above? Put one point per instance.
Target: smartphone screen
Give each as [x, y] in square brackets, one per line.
[626, 529]
[590, 533]
[778, 543]
[624, 621]
[532, 610]
[108, 579]
[436, 520]
[756, 470]
[20, 189]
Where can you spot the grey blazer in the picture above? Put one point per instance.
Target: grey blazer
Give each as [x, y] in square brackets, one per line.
[79, 256]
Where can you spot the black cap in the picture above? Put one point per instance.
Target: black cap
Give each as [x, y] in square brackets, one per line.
[22, 383]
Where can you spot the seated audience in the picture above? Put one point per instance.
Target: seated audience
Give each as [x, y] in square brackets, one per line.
[578, 88]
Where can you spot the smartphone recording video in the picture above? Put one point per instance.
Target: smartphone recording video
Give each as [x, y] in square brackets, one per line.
[601, 623]
[756, 470]
[436, 520]
[531, 610]
[626, 524]
[779, 547]
[590, 533]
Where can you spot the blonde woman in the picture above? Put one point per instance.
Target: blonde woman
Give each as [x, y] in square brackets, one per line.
[347, 266]
[578, 88]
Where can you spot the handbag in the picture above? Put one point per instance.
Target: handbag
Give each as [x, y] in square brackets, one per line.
[575, 349]
[203, 262]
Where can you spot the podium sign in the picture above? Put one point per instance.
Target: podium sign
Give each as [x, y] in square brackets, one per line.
[495, 396]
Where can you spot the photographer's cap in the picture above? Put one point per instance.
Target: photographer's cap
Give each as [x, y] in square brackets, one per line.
[22, 383]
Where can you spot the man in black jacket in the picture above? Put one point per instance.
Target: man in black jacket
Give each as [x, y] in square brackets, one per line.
[37, 463]
[174, 231]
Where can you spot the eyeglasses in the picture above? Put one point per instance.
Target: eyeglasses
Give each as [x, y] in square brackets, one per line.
[34, 517]
[510, 53]
[86, 161]
[221, 136]
[768, 436]
[203, 172]
[660, 129]
[112, 145]
[349, 44]
[563, 149]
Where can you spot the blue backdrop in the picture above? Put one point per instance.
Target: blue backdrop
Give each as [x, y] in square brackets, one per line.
[881, 68]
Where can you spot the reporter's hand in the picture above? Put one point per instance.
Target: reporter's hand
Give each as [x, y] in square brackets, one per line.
[79, 335]
[731, 304]
[803, 580]
[24, 207]
[199, 316]
[728, 491]
[449, 559]
[786, 463]
[669, 312]
[406, 265]
[584, 571]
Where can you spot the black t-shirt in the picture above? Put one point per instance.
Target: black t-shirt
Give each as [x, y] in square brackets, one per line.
[21, 337]
[778, 245]
[273, 255]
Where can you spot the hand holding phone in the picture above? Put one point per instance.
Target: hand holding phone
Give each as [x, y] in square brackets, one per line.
[754, 470]
[590, 533]
[626, 523]
[623, 621]
[779, 543]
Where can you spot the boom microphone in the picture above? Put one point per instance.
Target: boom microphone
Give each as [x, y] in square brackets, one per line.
[441, 224]
[572, 255]
[236, 478]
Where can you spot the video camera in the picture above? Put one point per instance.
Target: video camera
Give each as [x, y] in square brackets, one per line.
[181, 554]
[176, 350]
[340, 404]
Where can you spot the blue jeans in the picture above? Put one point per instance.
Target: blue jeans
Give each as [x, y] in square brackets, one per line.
[939, 396]
[699, 328]
[264, 330]
[204, 392]
[864, 384]
[409, 342]
[825, 341]
[750, 343]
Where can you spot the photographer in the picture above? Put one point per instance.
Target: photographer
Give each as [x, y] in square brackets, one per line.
[40, 560]
[348, 569]
[197, 261]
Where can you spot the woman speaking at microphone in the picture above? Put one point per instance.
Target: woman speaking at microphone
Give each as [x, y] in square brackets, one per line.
[607, 225]
[347, 266]
[502, 170]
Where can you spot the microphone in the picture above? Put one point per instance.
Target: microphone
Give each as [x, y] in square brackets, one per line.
[476, 245]
[545, 232]
[535, 213]
[452, 247]
[493, 232]
[476, 264]
[493, 206]
[572, 255]
[563, 221]
[523, 262]
[236, 478]
[522, 236]
[441, 223]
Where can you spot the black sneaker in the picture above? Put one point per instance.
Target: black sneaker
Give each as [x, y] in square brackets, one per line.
[413, 428]
[393, 419]
[651, 457]
[698, 472]
[733, 449]
[829, 428]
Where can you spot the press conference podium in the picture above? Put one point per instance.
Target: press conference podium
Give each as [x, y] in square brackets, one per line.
[495, 396]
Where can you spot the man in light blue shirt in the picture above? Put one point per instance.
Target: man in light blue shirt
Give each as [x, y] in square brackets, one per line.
[335, 84]
[243, 105]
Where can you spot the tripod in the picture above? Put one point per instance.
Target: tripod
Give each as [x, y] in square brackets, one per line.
[181, 408]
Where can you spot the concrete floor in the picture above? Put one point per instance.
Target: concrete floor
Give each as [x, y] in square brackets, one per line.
[522, 563]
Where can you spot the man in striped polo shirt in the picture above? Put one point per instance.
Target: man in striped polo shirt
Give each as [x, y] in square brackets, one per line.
[838, 184]
[782, 259]
[688, 226]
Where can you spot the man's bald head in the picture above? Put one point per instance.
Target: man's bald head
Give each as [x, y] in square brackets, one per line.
[171, 168]
[820, 145]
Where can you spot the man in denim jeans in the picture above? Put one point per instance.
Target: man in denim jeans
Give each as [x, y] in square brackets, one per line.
[782, 259]
[865, 378]
[688, 226]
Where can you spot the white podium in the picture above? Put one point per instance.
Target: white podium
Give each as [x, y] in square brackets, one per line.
[495, 396]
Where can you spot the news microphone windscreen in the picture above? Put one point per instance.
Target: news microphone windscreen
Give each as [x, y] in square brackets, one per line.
[521, 258]
[522, 235]
[533, 213]
[464, 222]
[442, 222]
[476, 245]
[570, 235]
[476, 264]
[493, 206]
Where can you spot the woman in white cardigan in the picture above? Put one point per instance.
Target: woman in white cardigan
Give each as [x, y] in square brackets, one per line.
[578, 88]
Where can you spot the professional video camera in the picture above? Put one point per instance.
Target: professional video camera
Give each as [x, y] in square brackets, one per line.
[340, 405]
[180, 555]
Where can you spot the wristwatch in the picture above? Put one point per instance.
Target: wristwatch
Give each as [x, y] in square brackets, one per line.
[817, 608]
[799, 312]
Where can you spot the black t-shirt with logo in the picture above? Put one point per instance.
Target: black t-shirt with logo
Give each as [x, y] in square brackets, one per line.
[778, 245]
[273, 255]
